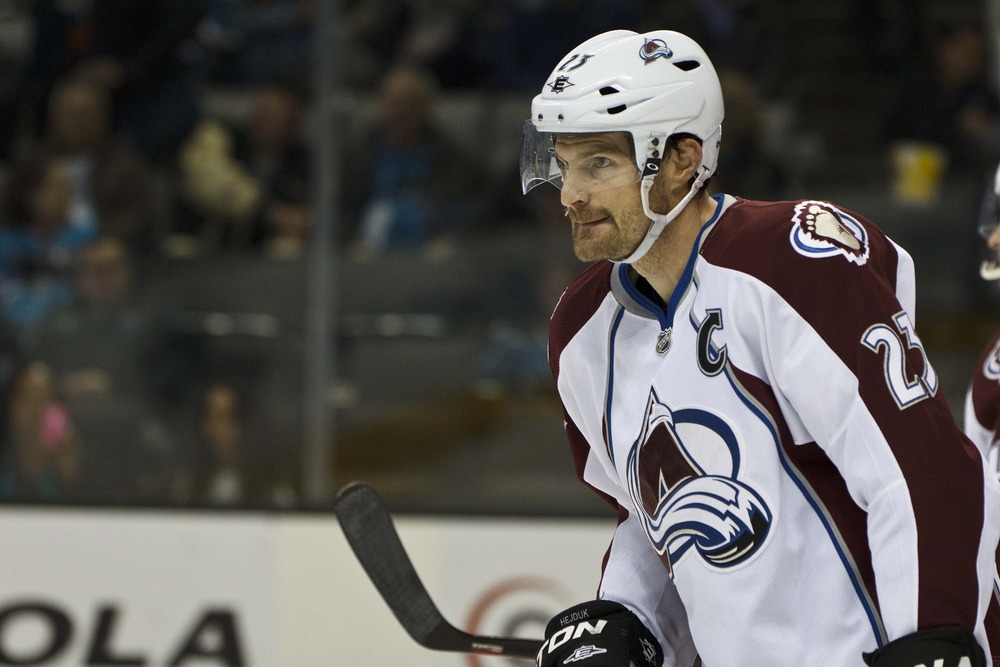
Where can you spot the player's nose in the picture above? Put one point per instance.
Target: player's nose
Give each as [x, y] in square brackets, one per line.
[571, 195]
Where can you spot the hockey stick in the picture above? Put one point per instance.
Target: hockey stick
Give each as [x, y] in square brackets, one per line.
[368, 527]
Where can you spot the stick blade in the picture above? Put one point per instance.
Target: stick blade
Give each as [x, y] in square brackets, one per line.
[367, 524]
[369, 530]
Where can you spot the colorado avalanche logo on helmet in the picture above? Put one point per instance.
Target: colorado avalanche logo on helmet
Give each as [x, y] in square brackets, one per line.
[820, 229]
[684, 503]
[653, 49]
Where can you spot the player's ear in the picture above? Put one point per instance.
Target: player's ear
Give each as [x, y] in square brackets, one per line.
[686, 155]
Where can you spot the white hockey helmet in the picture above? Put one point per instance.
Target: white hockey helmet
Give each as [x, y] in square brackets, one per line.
[653, 86]
[989, 219]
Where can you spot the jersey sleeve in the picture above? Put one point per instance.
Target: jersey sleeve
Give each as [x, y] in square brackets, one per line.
[981, 415]
[830, 328]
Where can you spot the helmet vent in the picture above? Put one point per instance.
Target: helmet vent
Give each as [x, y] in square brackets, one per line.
[609, 90]
[617, 109]
[687, 65]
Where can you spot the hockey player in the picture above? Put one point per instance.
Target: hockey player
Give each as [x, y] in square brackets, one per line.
[743, 383]
[982, 400]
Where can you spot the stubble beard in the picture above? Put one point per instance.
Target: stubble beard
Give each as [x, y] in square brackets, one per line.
[613, 240]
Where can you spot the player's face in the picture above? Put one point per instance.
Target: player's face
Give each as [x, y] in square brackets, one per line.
[601, 194]
[989, 269]
[993, 240]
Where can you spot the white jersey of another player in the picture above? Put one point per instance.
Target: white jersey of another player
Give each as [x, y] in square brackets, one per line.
[776, 444]
[982, 400]
[982, 403]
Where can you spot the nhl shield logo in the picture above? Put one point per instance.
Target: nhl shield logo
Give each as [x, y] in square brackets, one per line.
[820, 229]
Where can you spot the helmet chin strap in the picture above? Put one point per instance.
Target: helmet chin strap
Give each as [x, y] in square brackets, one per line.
[659, 221]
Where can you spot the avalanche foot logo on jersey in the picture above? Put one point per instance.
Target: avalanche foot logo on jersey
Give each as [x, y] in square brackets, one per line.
[823, 230]
[694, 499]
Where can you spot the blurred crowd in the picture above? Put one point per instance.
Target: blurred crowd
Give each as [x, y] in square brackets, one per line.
[136, 136]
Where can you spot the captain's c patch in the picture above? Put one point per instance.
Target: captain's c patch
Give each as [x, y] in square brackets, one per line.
[820, 229]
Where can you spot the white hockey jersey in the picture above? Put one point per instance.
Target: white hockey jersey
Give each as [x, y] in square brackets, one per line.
[982, 403]
[791, 485]
[982, 424]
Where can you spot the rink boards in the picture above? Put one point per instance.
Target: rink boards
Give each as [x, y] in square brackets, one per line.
[84, 587]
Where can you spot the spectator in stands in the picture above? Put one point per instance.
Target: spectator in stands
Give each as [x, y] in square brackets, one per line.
[950, 102]
[220, 470]
[15, 53]
[38, 240]
[247, 188]
[105, 353]
[42, 462]
[113, 182]
[406, 186]
[221, 480]
[288, 220]
[133, 51]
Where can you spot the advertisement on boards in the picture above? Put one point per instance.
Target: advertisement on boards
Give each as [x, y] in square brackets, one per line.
[198, 589]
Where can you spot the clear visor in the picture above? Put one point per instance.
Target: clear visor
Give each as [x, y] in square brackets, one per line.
[588, 167]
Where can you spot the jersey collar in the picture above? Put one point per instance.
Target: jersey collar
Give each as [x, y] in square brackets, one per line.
[637, 303]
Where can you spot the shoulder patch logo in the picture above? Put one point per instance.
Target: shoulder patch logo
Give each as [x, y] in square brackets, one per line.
[823, 230]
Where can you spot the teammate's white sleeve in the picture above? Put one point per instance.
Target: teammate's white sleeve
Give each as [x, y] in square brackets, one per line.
[980, 435]
[984, 438]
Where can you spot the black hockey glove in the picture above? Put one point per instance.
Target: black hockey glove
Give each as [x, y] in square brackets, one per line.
[599, 633]
[950, 646]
